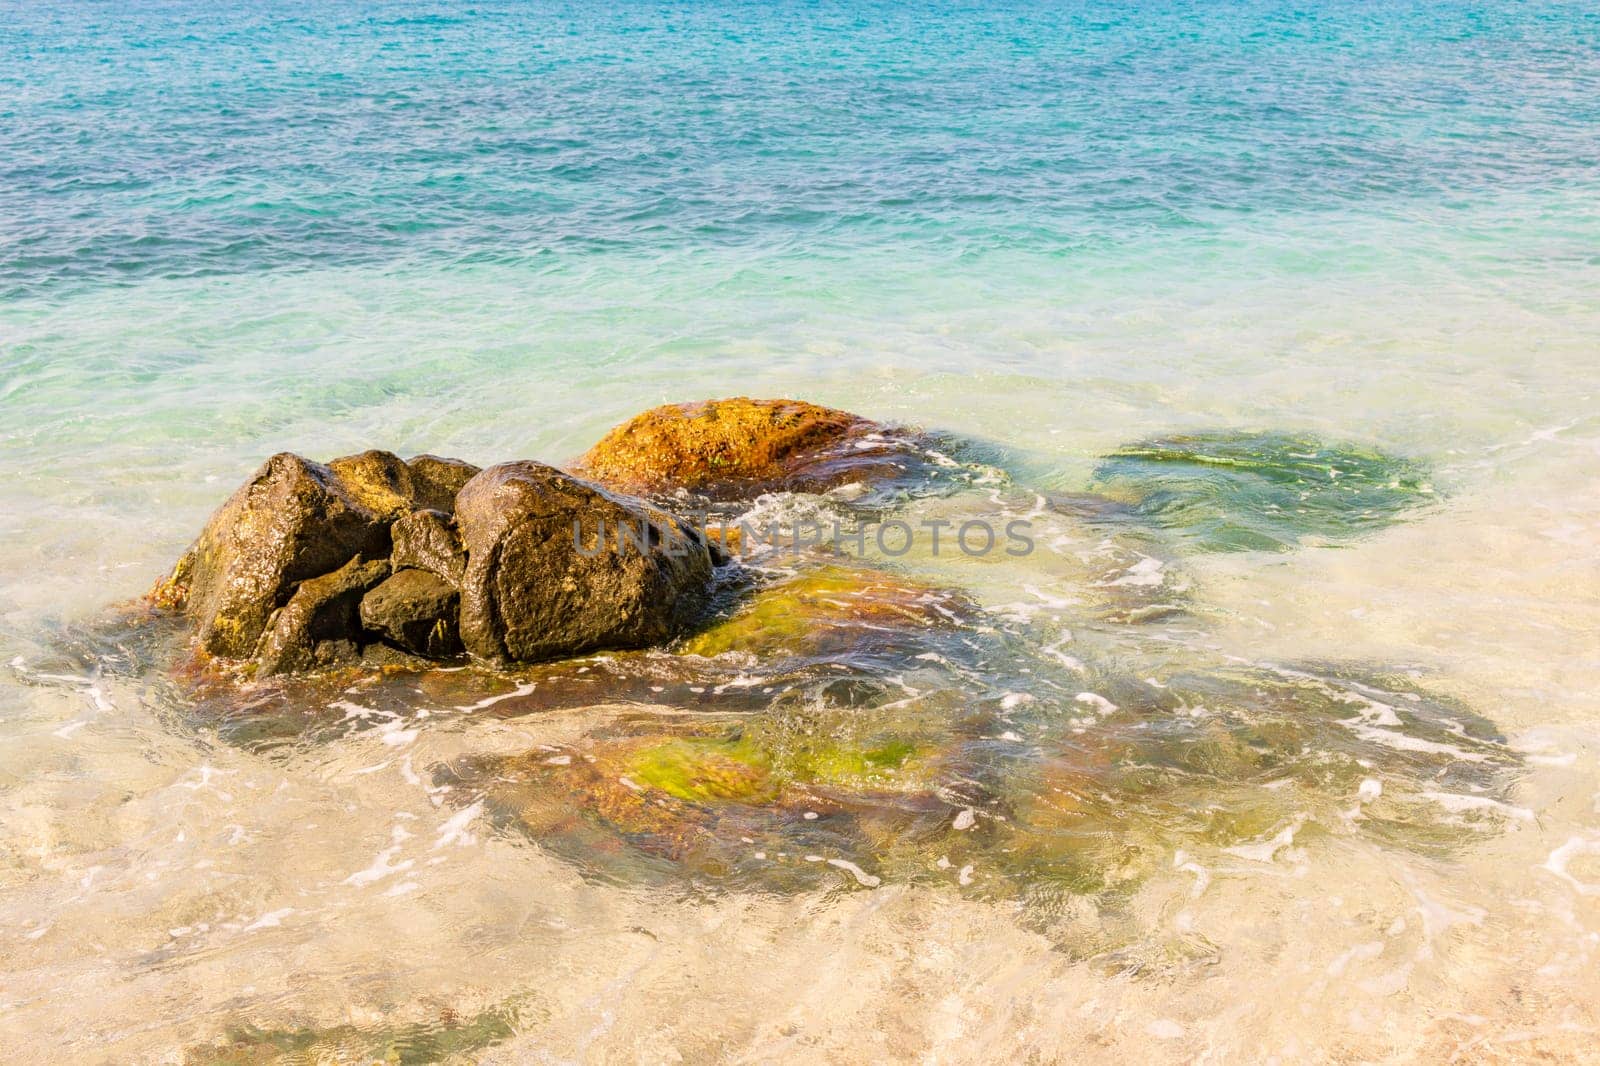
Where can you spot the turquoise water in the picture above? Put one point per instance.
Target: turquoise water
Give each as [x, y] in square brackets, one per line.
[495, 230]
[230, 229]
[155, 141]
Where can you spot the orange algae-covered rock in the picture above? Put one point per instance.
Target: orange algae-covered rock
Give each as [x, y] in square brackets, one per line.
[737, 447]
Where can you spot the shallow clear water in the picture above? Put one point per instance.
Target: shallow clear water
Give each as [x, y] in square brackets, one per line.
[1053, 230]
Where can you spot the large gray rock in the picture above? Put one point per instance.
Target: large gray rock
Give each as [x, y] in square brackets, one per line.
[529, 593]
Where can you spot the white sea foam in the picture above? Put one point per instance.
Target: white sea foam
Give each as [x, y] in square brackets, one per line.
[1267, 850]
[861, 876]
[524, 689]
[455, 831]
[1563, 856]
[1457, 803]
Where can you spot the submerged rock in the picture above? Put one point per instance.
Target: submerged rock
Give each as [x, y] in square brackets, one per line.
[1061, 798]
[832, 611]
[1232, 491]
[1240, 763]
[768, 804]
[738, 448]
[530, 592]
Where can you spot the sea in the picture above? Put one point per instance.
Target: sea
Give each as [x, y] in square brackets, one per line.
[1044, 231]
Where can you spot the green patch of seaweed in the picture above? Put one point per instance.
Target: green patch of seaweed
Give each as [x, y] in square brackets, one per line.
[1233, 491]
[831, 611]
[702, 770]
[781, 802]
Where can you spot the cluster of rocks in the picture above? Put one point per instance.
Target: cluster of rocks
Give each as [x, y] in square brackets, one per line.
[371, 558]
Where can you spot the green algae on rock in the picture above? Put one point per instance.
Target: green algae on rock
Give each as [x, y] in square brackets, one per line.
[769, 803]
[1041, 802]
[831, 611]
[1237, 491]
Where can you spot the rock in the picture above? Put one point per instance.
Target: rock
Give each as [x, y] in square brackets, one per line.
[743, 805]
[379, 481]
[417, 610]
[1240, 761]
[292, 521]
[320, 626]
[435, 481]
[426, 540]
[736, 448]
[280, 573]
[388, 657]
[393, 488]
[1231, 491]
[529, 593]
[1065, 802]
